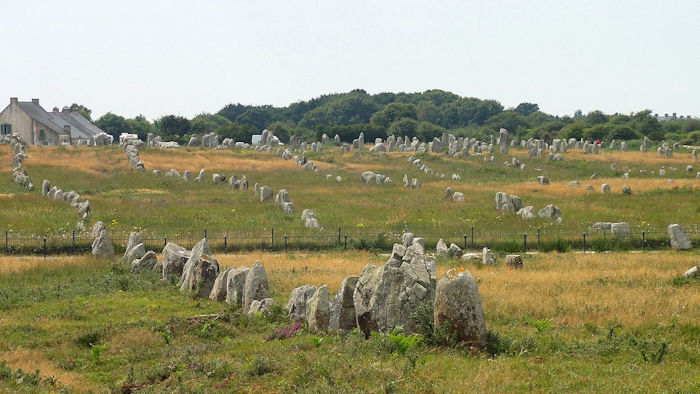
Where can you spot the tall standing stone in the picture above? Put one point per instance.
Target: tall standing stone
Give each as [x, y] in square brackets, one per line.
[200, 271]
[458, 308]
[679, 240]
[296, 306]
[256, 286]
[342, 307]
[318, 310]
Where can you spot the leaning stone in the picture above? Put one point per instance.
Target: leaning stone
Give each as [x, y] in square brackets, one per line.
[454, 250]
[45, 186]
[200, 271]
[318, 310]
[135, 252]
[342, 312]
[256, 286]
[296, 306]
[694, 272]
[458, 309]
[679, 240]
[527, 212]
[514, 261]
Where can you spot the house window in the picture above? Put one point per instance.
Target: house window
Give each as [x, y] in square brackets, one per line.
[6, 128]
[42, 134]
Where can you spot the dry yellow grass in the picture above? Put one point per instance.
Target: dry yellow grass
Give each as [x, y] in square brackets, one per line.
[31, 360]
[566, 288]
[639, 158]
[198, 159]
[76, 158]
[12, 264]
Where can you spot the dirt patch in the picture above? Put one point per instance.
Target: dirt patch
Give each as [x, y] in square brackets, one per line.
[31, 360]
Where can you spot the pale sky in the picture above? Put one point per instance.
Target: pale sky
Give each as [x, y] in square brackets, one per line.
[188, 57]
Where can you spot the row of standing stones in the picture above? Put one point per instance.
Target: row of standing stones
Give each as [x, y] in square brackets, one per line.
[379, 299]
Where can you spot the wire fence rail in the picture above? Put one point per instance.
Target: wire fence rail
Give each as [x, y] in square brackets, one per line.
[469, 238]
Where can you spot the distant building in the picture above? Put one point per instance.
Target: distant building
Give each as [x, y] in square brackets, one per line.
[672, 118]
[36, 126]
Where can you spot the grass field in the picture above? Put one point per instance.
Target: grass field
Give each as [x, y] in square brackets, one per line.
[125, 199]
[567, 322]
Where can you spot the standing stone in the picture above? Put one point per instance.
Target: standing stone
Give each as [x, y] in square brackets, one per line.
[202, 174]
[441, 248]
[218, 291]
[385, 297]
[454, 250]
[543, 180]
[256, 286]
[186, 175]
[134, 247]
[342, 312]
[200, 271]
[679, 240]
[260, 306]
[626, 190]
[458, 308]
[282, 196]
[487, 258]
[514, 261]
[621, 229]
[174, 257]
[503, 141]
[296, 306]
[605, 188]
[235, 284]
[45, 186]
[318, 310]
[550, 212]
[693, 272]
[102, 245]
[265, 193]
[502, 202]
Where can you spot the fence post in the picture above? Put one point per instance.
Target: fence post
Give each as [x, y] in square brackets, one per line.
[604, 232]
[225, 244]
[472, 236]
[338, 235]
[272, 234]
[465, 241]
[74, 240]
[538, 237]
[524, 242]
[644, 240]
[584, 242]
[44, 247]
[346, 240]
[165, 241]
[285, 241]
[205, 233]
[7, 244]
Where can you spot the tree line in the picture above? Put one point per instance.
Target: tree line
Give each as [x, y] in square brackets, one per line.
[424, 115]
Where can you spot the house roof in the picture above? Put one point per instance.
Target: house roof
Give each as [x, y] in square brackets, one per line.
[37, 113]
[80, 127]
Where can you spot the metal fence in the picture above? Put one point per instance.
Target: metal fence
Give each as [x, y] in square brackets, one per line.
[469, 238]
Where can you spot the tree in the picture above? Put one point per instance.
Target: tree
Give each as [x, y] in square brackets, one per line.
[82, 110]
[596, 117]
[426, 131]
[238, 132]
[206, 123]
[393, 112]
[403, 127]
[173, 127]
[526, 108]
[232, 111]
[113, 125]
[140, 126]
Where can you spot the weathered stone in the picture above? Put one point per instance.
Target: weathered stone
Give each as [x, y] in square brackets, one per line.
[318, 310]
[146, 263]
[235, 285]
[385, 297]
[527, 212]
[342, 311]
[282, 196]
[621, 229]
[692, 273]
[102, 244]
[256, 286]
[200, 271]
[605, 188]
[550, 212]
[296, 306]
[543, 180]
[134, 240]
[679, 240]
[458, 309]
[487, 257]
[503, 202]
[136, 252]
[45, 186]
[514, 261]
[626, 190]
[260, 306]
[265, 193]
[174, 257]
[441, 248]
[457, 196]
[454, 250]
[219, 290]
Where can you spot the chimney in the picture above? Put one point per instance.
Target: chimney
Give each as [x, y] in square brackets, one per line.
[66, 128]
[35, 101]
[55, 109]
[13, 100]
[674, 115]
